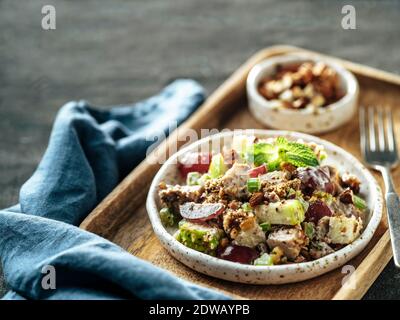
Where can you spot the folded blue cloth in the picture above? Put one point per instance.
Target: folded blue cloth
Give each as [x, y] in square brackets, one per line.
[89, 152]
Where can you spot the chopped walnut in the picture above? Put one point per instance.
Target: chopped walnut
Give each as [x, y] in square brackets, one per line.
[346, 196]
[234, 205]
[286, 166]
[306, 85]
[256, 199]
[350, 181]
[271, 196]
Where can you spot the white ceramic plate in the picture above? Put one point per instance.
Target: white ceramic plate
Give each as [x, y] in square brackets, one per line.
[266, 274]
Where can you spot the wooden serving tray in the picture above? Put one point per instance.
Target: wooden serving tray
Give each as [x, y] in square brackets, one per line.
[122, 216]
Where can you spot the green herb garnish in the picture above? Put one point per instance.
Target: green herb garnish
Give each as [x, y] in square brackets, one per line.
[282, 150]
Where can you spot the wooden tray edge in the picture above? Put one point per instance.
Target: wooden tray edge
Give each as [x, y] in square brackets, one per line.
[378, 257]
[368, 270]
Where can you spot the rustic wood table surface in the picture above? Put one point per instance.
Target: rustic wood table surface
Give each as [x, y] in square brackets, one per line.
[115, 52]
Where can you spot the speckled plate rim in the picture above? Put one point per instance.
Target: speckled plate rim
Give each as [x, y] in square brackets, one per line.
[279, 274]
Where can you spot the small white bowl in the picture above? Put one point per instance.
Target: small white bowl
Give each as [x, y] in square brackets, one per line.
[304, 120]
[278, 274]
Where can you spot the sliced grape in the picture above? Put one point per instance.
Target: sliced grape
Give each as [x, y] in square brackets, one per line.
[317, 210]
[240, 254]
[201, 211]
[315, 179]
[194, 162]
[257, 171]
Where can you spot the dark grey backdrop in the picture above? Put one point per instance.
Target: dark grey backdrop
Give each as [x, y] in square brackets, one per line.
[112, 52]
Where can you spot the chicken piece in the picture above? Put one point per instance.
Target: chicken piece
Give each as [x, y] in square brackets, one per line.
[234, 181]
[243, 228]
[343, 230]
[345, 209]
[322, 228]
[320, 249]
[173, 196]
[274, 177]
[232, 218]
[282, 189]
[277, 185]
[250, 234]
[289, 240]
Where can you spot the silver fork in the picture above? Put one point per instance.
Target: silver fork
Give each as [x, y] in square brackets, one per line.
[378, 147]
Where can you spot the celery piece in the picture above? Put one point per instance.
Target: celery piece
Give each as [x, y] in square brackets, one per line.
[287, 212]
[309, 229]
[167, 217]
[193, 178]
[217, 166]
[199, 237]
[253, 184]
[359, 203]
[265, 226]
[264, 260]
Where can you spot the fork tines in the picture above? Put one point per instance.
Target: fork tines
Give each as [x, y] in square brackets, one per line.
[376, 130]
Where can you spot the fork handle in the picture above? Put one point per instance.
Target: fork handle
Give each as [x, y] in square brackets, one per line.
[393, 213]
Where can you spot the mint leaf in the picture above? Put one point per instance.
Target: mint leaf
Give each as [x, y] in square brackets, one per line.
[300, 155]
[260, 153]
[281, 141]
[281, 151]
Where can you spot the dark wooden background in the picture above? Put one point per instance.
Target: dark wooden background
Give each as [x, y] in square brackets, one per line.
[114, 52]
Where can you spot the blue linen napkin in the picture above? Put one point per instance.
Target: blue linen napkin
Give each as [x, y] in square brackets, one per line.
[89, 152]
